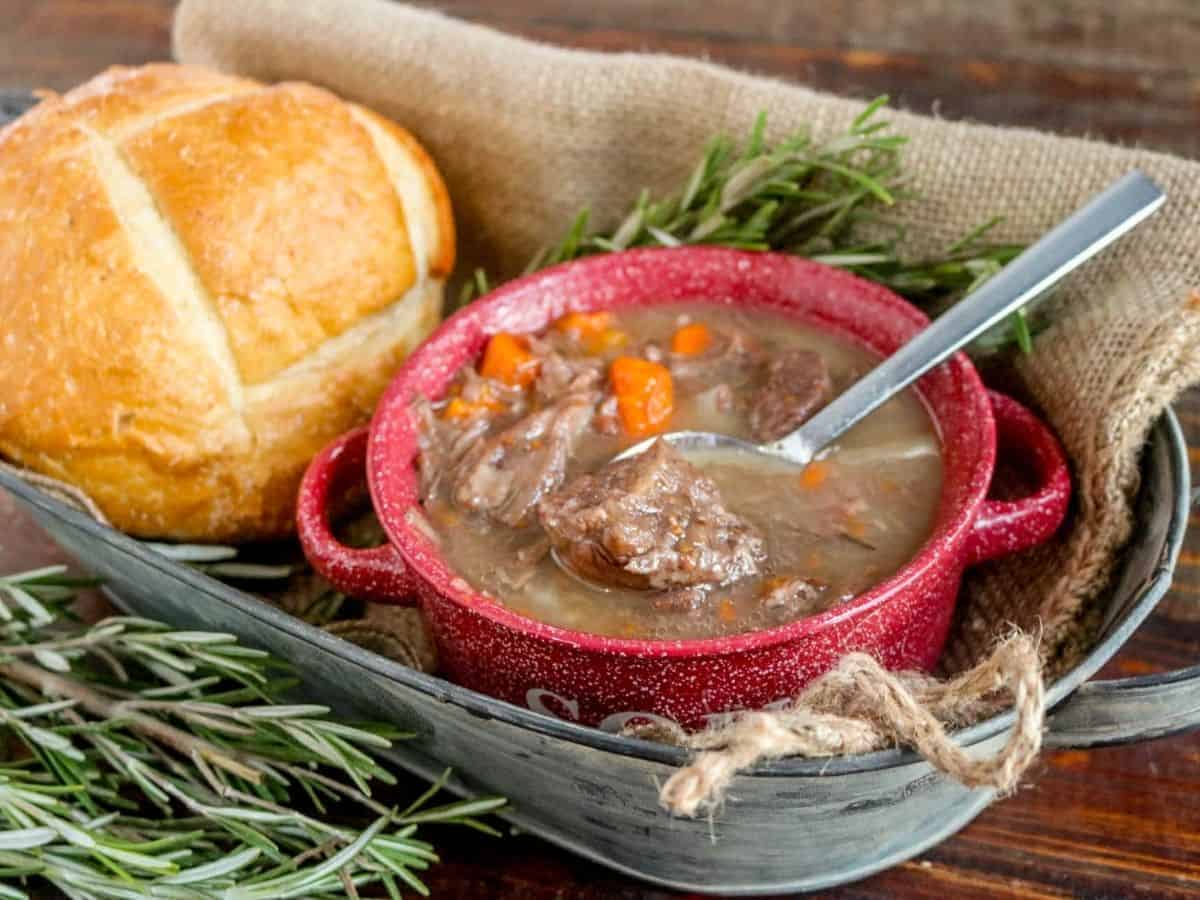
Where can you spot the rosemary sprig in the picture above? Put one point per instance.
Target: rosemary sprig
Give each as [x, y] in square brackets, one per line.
[835, 201]
[219, 561]
[143, 761]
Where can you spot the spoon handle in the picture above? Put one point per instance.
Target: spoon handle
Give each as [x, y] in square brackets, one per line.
[1089, 230]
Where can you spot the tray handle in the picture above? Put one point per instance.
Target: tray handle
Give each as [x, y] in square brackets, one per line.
[1124, 710]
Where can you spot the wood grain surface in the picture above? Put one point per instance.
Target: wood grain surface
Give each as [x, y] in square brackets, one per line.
[1107, 823]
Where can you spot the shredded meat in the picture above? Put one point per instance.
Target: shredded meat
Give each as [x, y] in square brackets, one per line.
[442, 444]
[795, 593]
[560, 374]
[799, 596]
[496, 395]
[650, 522]
[506, 475]
[607, 420]
[797, 385]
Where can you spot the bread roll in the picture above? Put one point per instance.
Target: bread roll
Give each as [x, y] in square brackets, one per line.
[202, 281]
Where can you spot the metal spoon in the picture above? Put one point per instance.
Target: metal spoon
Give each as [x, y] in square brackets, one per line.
[1108, 216]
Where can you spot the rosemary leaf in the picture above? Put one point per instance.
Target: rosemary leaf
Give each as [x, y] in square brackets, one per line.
[110, 721]
[822, 200]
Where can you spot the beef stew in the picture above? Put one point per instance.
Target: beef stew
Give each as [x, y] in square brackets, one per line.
[517, 482]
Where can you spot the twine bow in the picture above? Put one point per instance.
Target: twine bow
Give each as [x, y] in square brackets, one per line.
[859, 707]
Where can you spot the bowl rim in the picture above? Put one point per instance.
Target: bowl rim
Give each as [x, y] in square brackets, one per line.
[391, 448]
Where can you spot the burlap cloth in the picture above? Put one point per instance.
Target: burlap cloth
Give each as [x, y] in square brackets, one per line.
[527, 135]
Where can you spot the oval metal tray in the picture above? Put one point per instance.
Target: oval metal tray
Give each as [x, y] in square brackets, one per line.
[787, 825]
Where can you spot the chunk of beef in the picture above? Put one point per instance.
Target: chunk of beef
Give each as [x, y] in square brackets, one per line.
[680, 600]
[797, 385]
[650, 522]
[505, 475]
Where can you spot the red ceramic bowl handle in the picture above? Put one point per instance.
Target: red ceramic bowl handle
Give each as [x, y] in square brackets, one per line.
[1006, 526]
[377, 573]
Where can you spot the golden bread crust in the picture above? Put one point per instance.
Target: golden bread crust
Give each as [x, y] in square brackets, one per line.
[430, 199]
[202, 281]
[318, 241]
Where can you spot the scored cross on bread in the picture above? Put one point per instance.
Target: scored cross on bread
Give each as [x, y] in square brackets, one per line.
[202, 281]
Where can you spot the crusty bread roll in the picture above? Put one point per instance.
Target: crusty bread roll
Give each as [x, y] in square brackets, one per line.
[202, 281]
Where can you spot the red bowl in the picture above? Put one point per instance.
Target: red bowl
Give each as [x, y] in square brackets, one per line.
[606, 681]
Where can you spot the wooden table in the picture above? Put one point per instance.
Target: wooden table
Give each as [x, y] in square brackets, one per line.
[1106, 823]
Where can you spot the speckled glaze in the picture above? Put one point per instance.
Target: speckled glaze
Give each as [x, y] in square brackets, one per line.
[607, 681]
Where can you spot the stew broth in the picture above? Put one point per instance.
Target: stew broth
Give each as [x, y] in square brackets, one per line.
[816, 537]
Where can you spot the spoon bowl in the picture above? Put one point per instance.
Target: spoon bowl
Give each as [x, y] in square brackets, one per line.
[708, 441]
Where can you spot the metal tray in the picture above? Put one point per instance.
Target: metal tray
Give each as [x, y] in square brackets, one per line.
[787, 825]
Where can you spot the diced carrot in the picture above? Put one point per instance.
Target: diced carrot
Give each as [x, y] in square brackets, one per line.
[814, 475]
[507, 358]
[691, 339]
[461, 408]
[727, 611]
[856, 527]
[583, 325]
[458, 408]
[593, 331]
[645, 394]
[605, 341]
